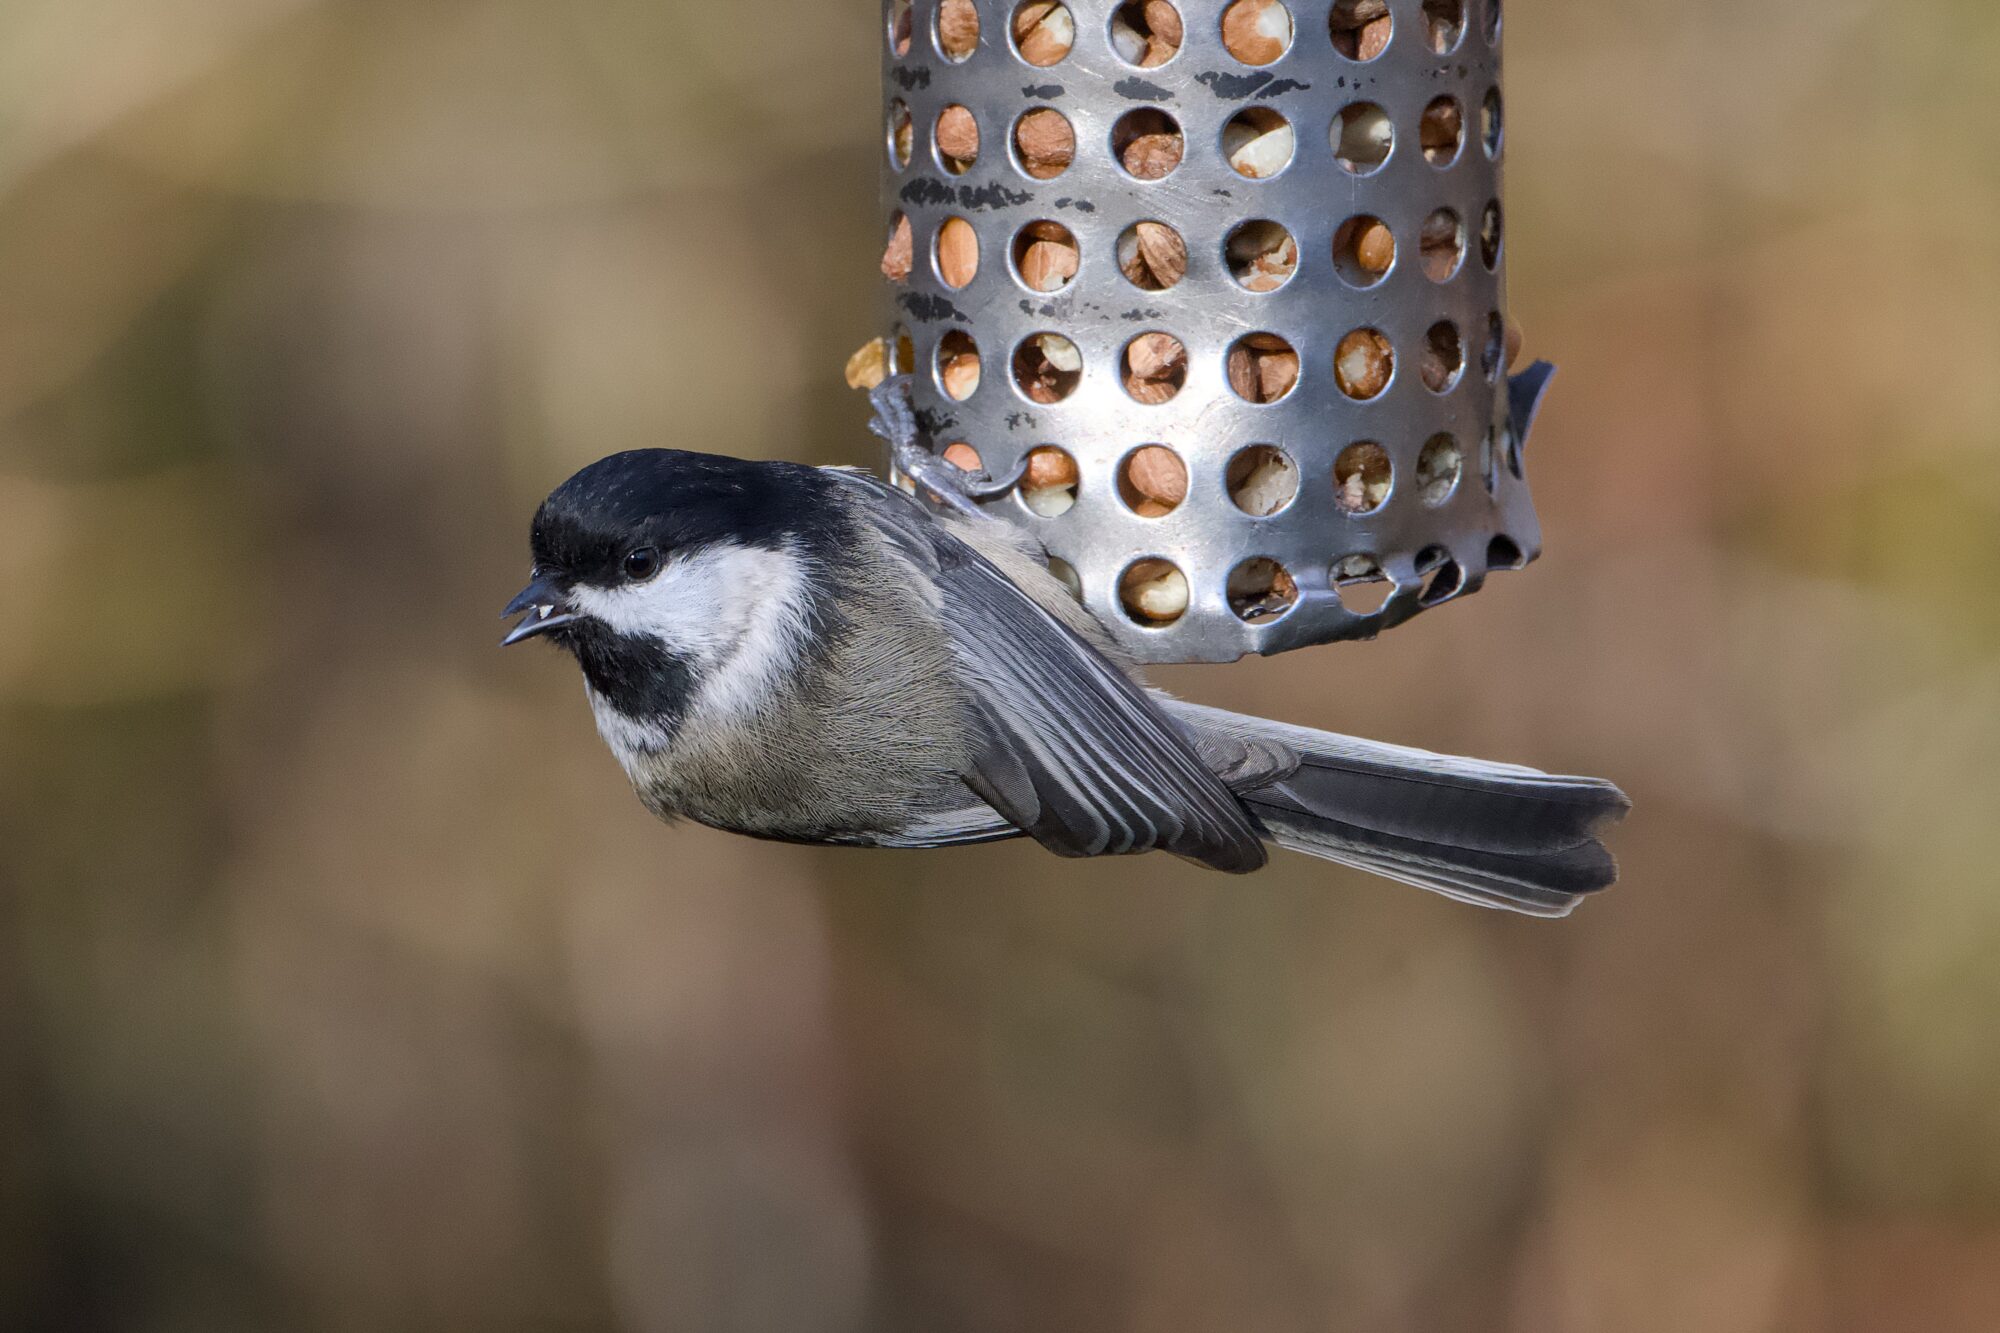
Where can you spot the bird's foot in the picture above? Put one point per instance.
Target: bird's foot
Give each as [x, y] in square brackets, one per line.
[951, 487]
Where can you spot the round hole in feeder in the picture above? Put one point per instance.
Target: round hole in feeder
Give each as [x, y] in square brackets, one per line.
[1262, 367]
[1490, 239]
[1489, 462]
[1491, 128]
[1362, 28]
[957, 29]
[963, 457]
[1442, 245]
[1438, 469]
[1153, 368]
[1152, 256]
[957, 253]
[1044, 143]
[1261, 590]
[1152, 481]
[956, 139]
[1510, 447]
[1363, 137]
[1493, 21]
[1065, 574]
[1153, 592]
[1444, 356]
[899, 253]
[1444, 577]
[1442, 131]
[1262, 480]
[1362, 478]
[1361, 585]
[1046, 256]
[1257, 32]
[1493, 353]
[958, 365]
[1258, 142]
[1503, 552]
[901, 27]
[1047, 368]
[1363, 364]
[902, 134]
[1364, 250]
[1146, 33]
[1148, 143]
[1043, 32]
[1445, 21]
[1262, 255]
[1049, 486]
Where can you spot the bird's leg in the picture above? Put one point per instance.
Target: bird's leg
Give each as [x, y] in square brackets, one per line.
[896, 422]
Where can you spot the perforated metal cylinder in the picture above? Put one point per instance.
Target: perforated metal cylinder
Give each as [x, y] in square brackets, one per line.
[1456, 505]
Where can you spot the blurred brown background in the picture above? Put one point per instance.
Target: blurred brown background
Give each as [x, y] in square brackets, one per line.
[343, 985]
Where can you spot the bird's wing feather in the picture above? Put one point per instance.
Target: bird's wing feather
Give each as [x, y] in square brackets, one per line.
[1075, 754]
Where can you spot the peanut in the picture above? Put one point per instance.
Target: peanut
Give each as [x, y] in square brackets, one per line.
[963, 457]
[1043, 32]
[1262, 481]
[1047, 368]
[960, 375]
[1152, 256]
[900, 256]
[1443, 357]
[1361, 28]
[1361, 477]
[1048, 487]
[1440, 243]
[1155, 474]
[1151, 156]
[1262, 256]
[1047, 256]
[904, 133]
[958, 28]
[1442, 130]
[869, 365]
[1366, 136]
[1050, 468]
[1375, 248]
[958, 252]
[1046, 142]
[1048, 265]
[957, 139]
[1362, 363]
[1155, 367]
[1257, 32]
[1262, 368]
[1258, 143]
[1147, 35]
[1155, 591]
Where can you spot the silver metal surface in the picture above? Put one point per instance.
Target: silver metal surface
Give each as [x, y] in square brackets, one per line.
[1488, 519]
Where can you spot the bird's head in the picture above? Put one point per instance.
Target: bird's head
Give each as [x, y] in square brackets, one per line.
[660, 565]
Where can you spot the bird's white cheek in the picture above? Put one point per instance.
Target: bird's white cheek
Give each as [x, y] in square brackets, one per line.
[738, 614]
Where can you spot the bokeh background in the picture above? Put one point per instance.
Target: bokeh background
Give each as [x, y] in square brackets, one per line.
[343, 985]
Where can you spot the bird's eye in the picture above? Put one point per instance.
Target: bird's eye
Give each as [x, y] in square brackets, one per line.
[642, 564]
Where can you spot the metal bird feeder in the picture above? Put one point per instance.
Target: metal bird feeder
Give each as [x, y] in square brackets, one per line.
[1329, 407]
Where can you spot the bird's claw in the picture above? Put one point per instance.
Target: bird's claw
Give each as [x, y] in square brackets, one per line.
[983, 487]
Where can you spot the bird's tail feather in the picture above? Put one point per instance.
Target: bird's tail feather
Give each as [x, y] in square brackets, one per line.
[1493, 834]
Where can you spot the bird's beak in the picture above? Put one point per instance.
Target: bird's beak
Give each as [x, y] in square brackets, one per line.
[547, 609]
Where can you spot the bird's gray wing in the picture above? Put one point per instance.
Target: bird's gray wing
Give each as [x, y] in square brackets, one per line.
[1075, 754]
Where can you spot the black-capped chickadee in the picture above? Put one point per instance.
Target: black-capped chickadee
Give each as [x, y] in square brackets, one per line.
[813, 655]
